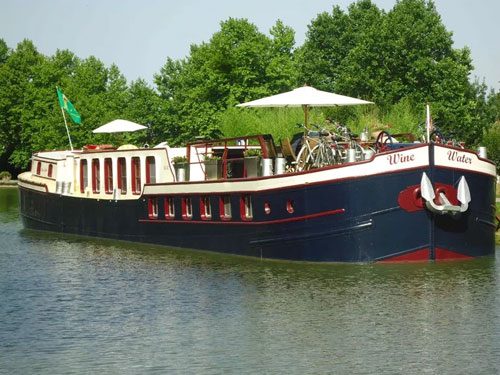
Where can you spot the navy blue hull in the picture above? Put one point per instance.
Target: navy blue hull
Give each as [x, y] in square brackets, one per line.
[352, 220]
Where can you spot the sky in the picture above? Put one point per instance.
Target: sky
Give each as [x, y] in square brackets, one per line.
[139, 35]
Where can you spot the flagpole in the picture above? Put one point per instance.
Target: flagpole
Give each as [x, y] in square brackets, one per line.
[428, 125]
[67, 130]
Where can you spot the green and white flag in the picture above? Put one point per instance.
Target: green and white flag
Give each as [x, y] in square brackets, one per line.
[68, 107]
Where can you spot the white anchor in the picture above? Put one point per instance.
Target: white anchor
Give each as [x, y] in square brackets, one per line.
[427, 192]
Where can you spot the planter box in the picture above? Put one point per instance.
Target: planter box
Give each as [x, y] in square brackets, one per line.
[252, 166]
[213, 169]
[181, 172]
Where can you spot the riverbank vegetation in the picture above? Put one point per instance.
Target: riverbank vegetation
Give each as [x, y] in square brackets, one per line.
[399, 59]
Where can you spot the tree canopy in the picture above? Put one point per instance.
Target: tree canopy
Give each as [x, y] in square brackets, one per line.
[399, 59]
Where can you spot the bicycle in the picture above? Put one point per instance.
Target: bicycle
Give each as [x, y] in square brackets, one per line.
[318, 150]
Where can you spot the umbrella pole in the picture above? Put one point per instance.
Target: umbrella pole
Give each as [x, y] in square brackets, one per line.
[306, 115]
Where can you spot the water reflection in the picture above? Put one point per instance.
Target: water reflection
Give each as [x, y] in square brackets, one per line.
[74, 304]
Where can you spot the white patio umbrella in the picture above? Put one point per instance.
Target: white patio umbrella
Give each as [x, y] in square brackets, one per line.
[119, 126]
[304, 97]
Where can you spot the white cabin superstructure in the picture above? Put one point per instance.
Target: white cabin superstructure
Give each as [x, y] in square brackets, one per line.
[106, 173]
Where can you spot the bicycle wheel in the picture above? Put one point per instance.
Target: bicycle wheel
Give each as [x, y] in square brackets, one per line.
[302, 157]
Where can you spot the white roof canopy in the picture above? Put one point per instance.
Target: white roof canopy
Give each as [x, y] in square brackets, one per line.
[119, 126]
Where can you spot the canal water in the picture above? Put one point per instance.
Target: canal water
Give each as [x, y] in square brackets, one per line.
[79, 305]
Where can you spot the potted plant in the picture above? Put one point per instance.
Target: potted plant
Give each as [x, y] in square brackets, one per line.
[252, 157]
[5, 176]
[213, 167]
[181, 167]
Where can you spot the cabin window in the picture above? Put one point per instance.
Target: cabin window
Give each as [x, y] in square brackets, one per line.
[246, 209]
[150, 170]
[169, 208]
[50, 170]
[205, 209]
[96, 176]
[122, 175]
[108, 175]
[84, 177]
[225, 207]
[290, 206]
[38, 168]
[153, 208]
[267, 208]
[187, 208]
[136, 175]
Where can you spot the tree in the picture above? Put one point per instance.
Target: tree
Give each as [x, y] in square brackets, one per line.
[16, 80]
[387, 57]
[239, 63]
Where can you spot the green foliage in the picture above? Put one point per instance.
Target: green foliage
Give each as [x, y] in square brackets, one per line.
[5, 176]
[491, 140]
[179, 159]
[405, 54]
[399, 59]
[239, 63]
[279, 122]
[30, 115]
[252, 152]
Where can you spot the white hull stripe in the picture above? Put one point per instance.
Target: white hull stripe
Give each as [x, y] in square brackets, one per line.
[446, 157]
[36, 187]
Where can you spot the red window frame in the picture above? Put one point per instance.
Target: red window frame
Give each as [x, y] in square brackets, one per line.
[150, 170]
[205, 208]
[108, 176]
[267, 208]
[187, 208]
[246, 209]
[84, 182]
[153, 208]
[96, 177]
[122, 175]
[225, 207]
[39, 168]
[136, 175]
[169, 208]
[290, 206]
[49, 173]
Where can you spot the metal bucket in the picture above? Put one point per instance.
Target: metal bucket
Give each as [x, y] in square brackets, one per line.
[279, 165]
[481, 150]
[59, 187]
[180, 172]
[351, 155]
[267, 167]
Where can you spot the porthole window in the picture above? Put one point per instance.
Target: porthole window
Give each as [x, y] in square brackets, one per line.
[225, 207]
[169, 208]
[267, 208]
[290, 206]
[187, 208]
[205, 209]
[246, 209]
[153, 208]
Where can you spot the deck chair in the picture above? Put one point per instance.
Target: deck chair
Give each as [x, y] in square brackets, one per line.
[287, 150]
[269, 143]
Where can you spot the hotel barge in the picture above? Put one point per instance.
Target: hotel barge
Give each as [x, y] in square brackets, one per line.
[414, 202]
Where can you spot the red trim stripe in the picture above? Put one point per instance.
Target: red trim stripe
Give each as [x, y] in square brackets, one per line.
[288, 220]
